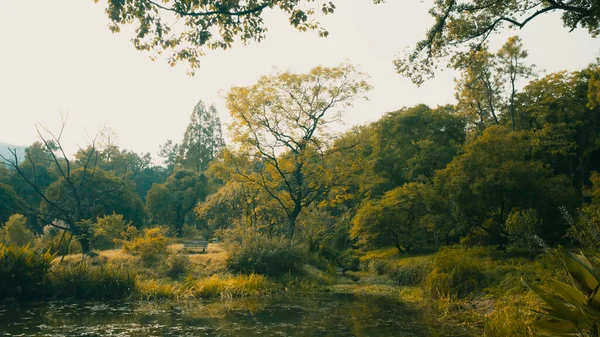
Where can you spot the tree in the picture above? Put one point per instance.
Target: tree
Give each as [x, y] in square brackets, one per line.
[9, 202]
[496, 173]
[462, 25]
[564, 125]
[511, 65]
[202, 140]
[15, 231]
[399, 218]
[81, 193]
[206, 24]
[173, 201]
[281, 123]
[412, 143]
[478, 90]
[82, 196]
[169, 152]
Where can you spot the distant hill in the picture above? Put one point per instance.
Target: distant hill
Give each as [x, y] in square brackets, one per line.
[4, 151]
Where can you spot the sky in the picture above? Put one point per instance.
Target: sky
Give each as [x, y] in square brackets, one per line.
[59, 57]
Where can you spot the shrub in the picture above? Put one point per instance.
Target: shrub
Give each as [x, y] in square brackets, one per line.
[348, 260]
[15, 231]
[454, 273]
[254, 253]
[584, 228]
[86, 281]
[410, 274]
[177, 265]
[190, 232]
[55, 241]
[150, 247]
[22, 272]
[108, 230]
[521, 227]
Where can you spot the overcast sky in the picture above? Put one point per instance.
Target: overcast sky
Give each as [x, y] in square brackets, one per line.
[58, 55]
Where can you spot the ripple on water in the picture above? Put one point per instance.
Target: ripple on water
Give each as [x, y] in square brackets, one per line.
[287, 315]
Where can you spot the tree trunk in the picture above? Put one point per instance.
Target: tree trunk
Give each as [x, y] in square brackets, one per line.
[85, 244]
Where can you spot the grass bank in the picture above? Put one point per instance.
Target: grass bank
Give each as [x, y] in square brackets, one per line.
[477, 290]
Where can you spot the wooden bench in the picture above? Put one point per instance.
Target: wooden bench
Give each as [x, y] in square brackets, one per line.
[195, 244]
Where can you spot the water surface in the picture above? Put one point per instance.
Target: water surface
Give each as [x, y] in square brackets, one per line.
[330, 315]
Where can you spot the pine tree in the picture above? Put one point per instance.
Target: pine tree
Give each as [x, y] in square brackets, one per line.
[203, 138]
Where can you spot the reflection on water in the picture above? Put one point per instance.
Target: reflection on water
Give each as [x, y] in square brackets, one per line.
[289, 315]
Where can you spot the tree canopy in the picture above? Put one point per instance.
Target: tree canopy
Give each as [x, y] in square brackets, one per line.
[464, 26]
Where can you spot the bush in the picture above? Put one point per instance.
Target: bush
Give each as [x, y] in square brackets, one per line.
[454, 273]
[150, 247]
[190, 232]
[348, 260]
[521, 227]
[86, 281]
[22, 272]
[108, 229]
[15, 231]
[254, 253]
[52, 240]
[584, 228]
[177, 265]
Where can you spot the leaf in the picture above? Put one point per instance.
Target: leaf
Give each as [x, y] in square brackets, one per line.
[581, 270]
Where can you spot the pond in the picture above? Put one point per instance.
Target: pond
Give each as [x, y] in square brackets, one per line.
[319, 314]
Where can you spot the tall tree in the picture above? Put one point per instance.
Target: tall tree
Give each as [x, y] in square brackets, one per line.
[479, 89]
[169, 152]
[172, 202]
[465, 26]
[511, 66]
[281, 122]
[203, 138]
[412, 143]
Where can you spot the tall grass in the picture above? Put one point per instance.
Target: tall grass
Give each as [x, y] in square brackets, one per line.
[23, 272]
[210, 287]
[86, 281]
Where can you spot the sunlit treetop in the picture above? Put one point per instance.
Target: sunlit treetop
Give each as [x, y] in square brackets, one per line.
[182, 28]
[463, 26]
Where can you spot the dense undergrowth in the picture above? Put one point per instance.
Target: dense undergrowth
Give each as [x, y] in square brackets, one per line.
[478, 289]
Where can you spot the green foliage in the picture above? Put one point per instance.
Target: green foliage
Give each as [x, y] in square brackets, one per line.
[23, 272]
[463, 27]
[572, 310]
[348, 260]
[211, 287]
[207, 24]
[108, 230]
[454, 275]
[15, 231]
[177, 265]
[398, 219]
[202, 140]
[496, 173]
[190, 232]
[412, 143]
[290, 114]
[522, 227]
[86, 281]
[151, 246]
[260, 254]
[55, 241]
[172, 203]
[8, 199]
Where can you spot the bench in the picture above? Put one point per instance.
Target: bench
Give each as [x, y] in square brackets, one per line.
[195, 244]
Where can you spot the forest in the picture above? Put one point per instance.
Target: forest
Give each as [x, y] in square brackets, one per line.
[484, 214]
